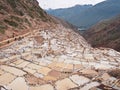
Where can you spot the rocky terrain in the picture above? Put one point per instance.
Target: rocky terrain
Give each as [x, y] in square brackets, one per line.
[105, 34]
[55, 57]
[58, 59]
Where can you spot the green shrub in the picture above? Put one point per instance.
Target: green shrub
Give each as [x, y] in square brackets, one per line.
[16, 18]
[0, 44]
[26, 20]
[12, 3]
[19, 12]
[11, 23]
[1, 7]
[2, 29]
[1, 12]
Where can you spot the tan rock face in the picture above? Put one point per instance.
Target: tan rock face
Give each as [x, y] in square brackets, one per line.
[39, 39]
[6, 78]
[18, 84]
[105, 76]
[29, 70]
[79, 80]
[89, 56]
[42, 87]
[33, 80]
[90, 85]
[18, 61]
[1, 72]
[44, 70]
[49, 78]
[33, 66]
[89, 72]
[54, 73]
[23, 64]
[65, 84]
[13, 70]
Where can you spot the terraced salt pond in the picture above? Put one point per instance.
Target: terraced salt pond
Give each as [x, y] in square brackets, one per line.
[63, 60]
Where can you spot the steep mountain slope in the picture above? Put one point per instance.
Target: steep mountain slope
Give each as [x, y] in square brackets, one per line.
[105, 34]
[19, 16]
[63, 22]
[86, 16]
[68, 14]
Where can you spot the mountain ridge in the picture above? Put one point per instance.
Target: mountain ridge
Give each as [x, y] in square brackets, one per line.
[105, 34]
[68, 13]
[90, 16]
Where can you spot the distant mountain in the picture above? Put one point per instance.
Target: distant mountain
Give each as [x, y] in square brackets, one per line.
[89, 15]
[68, 14]
[105, 34]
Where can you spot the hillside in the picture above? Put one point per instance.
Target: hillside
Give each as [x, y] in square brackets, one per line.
[89, 15]
[19, 16]
[105, 34]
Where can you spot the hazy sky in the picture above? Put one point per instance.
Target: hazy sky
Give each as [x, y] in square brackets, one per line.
[45, 4]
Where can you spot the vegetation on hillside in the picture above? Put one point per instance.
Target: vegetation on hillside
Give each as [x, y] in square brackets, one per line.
[105, 34]
[20, 14]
